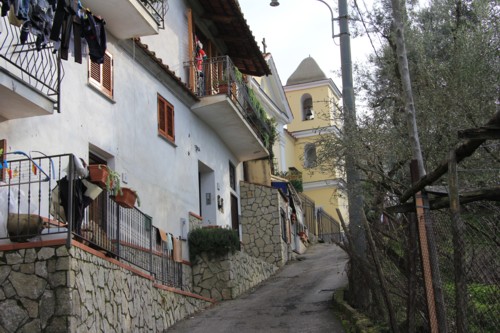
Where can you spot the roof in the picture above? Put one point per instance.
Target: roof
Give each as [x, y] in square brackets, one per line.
[165, 68]
[232, 29]
[308, 71]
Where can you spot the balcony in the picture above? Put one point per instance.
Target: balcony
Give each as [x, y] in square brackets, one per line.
[129, 18]
[227, 106]
[29, 78]
[41, 201]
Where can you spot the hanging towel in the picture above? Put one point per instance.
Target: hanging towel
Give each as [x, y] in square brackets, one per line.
[170, 245]
[177, 250]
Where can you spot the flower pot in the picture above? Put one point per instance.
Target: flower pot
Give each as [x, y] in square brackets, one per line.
[126, 198]
[223, 88]
[98, 174]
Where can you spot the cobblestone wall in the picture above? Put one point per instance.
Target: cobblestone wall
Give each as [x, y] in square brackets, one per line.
[229, 276]
[52, 290]
[261, 224]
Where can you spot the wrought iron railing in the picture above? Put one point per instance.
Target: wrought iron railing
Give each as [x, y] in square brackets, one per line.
[215, 76]
[158, 9]
[38, 194]
[328, 227]
[40, 69]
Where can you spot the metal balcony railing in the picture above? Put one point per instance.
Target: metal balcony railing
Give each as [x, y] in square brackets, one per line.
[215, 76]
[38, 194]
[158, 9]
[40, 69]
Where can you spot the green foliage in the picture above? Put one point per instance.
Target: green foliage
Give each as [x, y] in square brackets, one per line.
[294, 178]
[216, 242]
[453, 58]
[266, 125]
[485, 306]
[237, 75]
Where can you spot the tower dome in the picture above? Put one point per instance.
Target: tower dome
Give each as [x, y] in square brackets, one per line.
[307, 71]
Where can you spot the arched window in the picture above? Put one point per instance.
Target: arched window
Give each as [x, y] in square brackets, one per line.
[310, 155]
[307, 107]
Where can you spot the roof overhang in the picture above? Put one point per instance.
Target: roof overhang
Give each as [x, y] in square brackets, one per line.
[231, 29]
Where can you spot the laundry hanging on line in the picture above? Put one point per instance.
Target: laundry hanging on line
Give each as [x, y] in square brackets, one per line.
[57, 21]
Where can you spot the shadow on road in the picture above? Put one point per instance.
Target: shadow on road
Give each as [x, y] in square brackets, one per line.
[296, 299]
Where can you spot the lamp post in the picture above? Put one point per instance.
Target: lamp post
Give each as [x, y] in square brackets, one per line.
[356, 213]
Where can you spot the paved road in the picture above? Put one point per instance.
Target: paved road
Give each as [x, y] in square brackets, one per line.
[296, 299]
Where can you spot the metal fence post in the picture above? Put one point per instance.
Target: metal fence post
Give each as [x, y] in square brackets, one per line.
[71, 189]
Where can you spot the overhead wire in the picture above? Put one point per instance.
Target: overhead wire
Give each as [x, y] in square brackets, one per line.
[366, 29]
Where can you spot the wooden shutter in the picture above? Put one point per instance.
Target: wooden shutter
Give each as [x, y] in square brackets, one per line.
[95, 72]
[166, 119]
[162, 117]
[170, 122]
[107, 74]
[101, 75]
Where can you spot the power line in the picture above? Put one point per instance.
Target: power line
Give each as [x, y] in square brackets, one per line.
[366, 29]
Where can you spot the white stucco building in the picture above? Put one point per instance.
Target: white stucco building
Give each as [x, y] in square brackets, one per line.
[149, 112]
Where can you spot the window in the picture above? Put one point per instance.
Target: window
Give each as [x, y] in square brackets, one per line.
[310, 155]
[307, 107]
[101, 75]
[165, 119]
[232, 176]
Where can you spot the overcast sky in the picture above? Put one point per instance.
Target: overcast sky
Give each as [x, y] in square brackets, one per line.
[297, 29]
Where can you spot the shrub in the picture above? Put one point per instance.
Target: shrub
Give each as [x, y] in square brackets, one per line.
[216, 242]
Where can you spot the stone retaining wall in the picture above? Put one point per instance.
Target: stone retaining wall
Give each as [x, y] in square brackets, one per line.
[262, 232]
[51, 289]
[229, 276]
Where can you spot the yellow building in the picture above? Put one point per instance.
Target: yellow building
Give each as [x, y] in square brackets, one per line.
[314, 100]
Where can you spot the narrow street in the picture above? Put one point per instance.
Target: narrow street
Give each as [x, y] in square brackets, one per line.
[296, 299]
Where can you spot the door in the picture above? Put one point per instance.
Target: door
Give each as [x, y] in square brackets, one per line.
[235, 218]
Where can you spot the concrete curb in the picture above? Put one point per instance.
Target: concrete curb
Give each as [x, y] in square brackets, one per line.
[352, 320]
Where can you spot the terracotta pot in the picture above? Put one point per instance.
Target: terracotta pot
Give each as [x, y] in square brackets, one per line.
[98, 174]
[126, 198]
[223, 88]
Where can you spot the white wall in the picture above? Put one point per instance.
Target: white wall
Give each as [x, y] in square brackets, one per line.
[125, 128]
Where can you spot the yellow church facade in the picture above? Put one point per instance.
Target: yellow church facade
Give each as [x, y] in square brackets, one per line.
[313, 99]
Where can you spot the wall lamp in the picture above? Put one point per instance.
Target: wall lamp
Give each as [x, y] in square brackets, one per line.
[274, 3]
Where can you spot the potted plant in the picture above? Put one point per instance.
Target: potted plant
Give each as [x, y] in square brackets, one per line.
[98, 174]
[223, 84]
[126, 197]
[105, 177]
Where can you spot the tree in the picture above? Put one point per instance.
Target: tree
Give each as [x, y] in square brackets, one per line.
[452, 51]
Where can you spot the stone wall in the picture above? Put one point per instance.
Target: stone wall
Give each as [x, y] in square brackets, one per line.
[229, 276]
[261, 224]
[51, 289]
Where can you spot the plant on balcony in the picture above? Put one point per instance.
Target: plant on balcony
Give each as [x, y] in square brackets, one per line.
[98, 174]
[105, 177]
[126, 197]
[294, 178]
[215, 242]
[230, 77]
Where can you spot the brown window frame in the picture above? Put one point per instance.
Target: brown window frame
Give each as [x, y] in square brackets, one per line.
[101, 75]
[166, 119]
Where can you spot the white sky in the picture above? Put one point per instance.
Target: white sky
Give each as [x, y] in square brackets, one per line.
[299, 28]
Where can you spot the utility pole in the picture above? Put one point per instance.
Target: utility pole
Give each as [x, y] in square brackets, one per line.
[358, 286]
